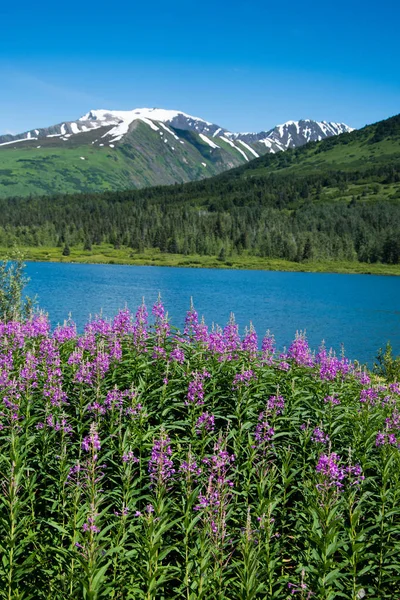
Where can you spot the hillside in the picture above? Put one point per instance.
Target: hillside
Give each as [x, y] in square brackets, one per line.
[333, 200]
[118, 150]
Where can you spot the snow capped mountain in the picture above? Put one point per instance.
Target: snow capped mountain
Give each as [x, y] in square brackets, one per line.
[116, 124]
[126, 149]
[151, 116]
[292, 134]
[297, 133]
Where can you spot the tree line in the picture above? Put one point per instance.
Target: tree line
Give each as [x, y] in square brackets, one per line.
[294, 216]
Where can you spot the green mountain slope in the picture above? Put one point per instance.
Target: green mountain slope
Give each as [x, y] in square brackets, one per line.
[362, 149]
[363, 164]
[144, 158]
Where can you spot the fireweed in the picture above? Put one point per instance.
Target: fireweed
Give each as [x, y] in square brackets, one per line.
[138, 461]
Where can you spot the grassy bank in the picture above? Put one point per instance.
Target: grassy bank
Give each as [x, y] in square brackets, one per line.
[107, 254]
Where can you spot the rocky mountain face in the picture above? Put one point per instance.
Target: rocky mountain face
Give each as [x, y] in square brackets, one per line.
[118, 123]
[137, 148]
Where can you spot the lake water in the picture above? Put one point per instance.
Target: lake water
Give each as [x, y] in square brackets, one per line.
[360, 311]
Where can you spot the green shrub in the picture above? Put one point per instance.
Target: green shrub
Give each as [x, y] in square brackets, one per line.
[13, 304]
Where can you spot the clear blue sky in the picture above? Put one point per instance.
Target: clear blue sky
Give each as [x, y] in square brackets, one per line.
[246, 65]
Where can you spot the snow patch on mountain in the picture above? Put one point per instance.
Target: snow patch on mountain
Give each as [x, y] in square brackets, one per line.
[249, 148]
[208, 141]
[14, 141]
[234, 146]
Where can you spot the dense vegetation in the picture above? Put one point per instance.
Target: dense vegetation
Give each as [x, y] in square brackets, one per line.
[137, 462]
[333, 200]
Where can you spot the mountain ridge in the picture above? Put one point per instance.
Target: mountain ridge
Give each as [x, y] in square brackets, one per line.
[119, 122]
[113, 150]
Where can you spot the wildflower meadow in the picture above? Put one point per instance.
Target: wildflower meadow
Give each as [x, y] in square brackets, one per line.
[140, 462]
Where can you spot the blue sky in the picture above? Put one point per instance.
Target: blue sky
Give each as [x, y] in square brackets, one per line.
[244, 65]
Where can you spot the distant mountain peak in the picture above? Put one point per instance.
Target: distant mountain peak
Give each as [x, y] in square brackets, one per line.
[151, 146]
[154, 114]
[118, 123]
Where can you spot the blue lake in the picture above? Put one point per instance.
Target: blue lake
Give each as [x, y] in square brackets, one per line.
[360, 311]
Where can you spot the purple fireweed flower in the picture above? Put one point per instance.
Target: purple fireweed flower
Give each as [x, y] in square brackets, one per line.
[57, 425]
[191, 322]
[159, 352]
[89, 372]
[369, 396]
[162, 329]
[194, 330]
[99, 327]
[330, 366]
[268, 349]
[201, 333]
[330, 471]
[114, 401]
[205, 423]
[221, 460]
[244, 378]
[354, 474]
[161, 467]
[250, 342]
[122, 323]
[190, 469]
[195, 394]
[332, 400]
[66, 332]
[215, 342]
[263, 433]
[380, 439]
[114, 348]
[136, 411]
[177, 355]
[275, 405]
[90, 525]
[37, 326]
[91, 443]
[363, 377]
[319, 437]
[129, 457]
[283, 365]
[74, 471]
[230, 338]
[51, 370]
[87, 342]
[158, 310]
[300, 588]
[12, 406]
[140, 333]
[123, 513]
[393, 422]
[214, 500]
[29, 371]
[75, 358]
[300, 352]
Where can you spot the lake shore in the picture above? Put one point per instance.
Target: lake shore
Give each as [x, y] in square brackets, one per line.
[107, 254]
